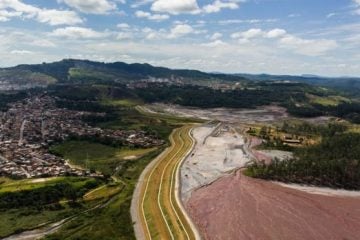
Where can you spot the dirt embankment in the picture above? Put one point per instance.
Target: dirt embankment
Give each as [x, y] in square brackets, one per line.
[238, 207]
[218, 151]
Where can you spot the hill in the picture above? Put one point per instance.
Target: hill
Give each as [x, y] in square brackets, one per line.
[72, 70]
[350, 85]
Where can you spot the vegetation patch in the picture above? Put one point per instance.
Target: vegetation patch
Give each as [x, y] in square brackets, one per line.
[96, 156]
[329, 100]
[113, 221]
[334, 162]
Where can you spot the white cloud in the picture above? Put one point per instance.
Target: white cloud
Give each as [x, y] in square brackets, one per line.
[251, 33]
[218, 5]
[357, 3]
[330, 15]
[124, 36]
[42, 43]
[176, 6]
[308, 47]
[16, 8]
[6, 15]
[294, 15]
[250, 21]
[123, 25]
[180, 31]
[91, 6]
[140, 3]
[78, 33]
[216, 36]
[154, 17]
[56, 17]
[177, 31]
[276, 33]
[21, 52]
[216, 43]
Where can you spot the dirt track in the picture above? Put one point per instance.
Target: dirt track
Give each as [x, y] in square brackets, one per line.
[238, 207]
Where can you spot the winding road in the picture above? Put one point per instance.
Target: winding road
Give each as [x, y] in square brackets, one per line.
[156, 209]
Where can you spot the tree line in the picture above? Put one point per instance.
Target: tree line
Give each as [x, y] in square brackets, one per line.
[335, 162]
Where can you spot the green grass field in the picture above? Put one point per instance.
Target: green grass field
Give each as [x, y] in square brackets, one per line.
[112, 222]
[122, 102]
[103, 192]
[97, 156]
[19, 219]
[8, 185]
[329, 101]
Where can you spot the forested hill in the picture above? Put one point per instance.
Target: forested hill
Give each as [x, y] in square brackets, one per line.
[350, 85]
[69, 70]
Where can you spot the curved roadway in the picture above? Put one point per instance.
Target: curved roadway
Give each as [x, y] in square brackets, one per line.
[156, 209]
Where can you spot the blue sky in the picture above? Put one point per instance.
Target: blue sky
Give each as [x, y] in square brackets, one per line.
[254, 36]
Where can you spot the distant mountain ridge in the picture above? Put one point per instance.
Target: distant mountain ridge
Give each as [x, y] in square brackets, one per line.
[348, 84]
[86, 71]
[118, 71]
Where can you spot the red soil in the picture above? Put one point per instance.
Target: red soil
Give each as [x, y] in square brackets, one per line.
[260, 157]
[238, 207]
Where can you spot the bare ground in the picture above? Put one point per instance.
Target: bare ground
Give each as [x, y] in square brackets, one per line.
[219, 149]
[238, 207]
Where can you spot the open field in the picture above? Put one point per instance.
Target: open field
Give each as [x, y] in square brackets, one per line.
[158, 207]
[112, 221]
[17, 220]
[31, 184]
[122, 102]
[329, 100]
[104, 192]
[97, 156]
[23, 216]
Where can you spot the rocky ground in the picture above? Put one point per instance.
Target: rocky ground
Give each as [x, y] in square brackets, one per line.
[219, 150]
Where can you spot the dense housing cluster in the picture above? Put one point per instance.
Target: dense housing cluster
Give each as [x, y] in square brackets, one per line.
[30, 126]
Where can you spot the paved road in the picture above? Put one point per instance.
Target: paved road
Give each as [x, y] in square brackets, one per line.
[156, 208]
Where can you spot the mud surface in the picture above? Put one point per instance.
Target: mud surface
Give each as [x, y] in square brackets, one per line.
[238, 207]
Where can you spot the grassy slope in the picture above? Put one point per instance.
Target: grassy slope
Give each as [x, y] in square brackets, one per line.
[29, 184]
[96, 156]
[24, 77]
[17, 220]
[113, 221]
[330, 101]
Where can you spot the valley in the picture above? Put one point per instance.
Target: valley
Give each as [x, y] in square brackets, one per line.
[140, 158]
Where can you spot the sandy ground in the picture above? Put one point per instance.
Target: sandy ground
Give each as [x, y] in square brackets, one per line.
[219, 150]
[238, 207]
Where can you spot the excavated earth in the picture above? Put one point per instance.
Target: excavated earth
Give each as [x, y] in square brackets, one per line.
[239, 207]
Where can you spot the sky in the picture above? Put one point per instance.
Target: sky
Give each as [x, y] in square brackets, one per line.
[233, 36]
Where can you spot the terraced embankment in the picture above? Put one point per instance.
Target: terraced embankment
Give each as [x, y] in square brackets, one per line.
[159, 214]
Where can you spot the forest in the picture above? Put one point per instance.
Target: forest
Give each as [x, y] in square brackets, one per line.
[334, 162]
